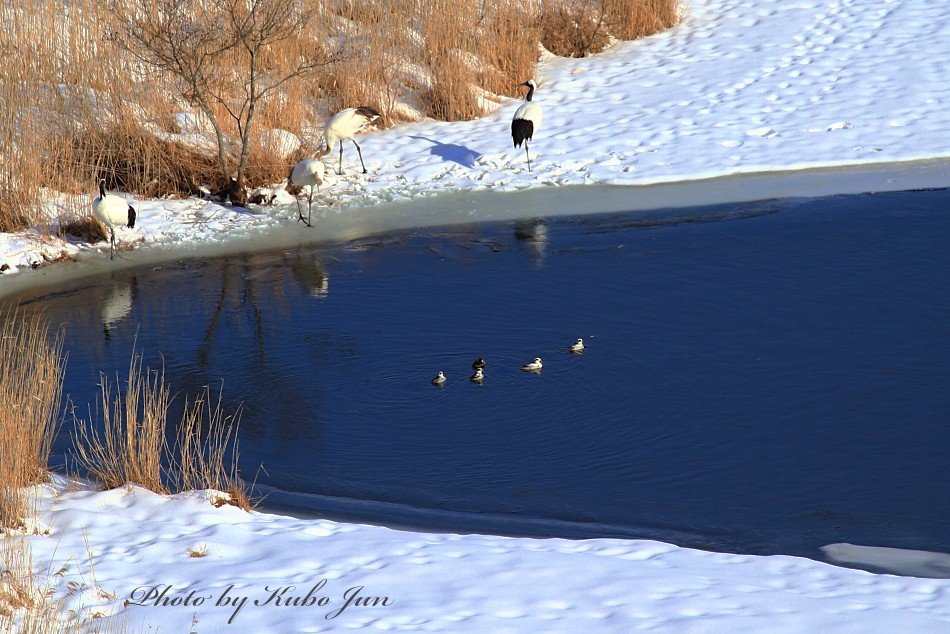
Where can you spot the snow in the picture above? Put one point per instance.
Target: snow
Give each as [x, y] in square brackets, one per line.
[132, 545]
[758, 88]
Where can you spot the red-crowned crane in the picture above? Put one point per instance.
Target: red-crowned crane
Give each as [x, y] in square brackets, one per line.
[526, 121]
[344, 125]
[113, 211]
[307, 173]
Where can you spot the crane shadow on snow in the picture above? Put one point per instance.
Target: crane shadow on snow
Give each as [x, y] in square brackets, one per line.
[464, 156]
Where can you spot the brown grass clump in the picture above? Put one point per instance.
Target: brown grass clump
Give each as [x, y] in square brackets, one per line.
[32, 366]
[134, 446]
[632, 19]
[88, 229]
[574, 28]
[134, 160]
[578, 28]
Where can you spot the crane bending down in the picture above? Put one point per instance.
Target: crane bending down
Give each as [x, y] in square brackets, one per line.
[344, 125]
[307, 173]
[526, 121]
[113, 211]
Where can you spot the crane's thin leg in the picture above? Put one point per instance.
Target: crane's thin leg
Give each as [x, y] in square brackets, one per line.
[527, 155]
[309, 206]
[299, 213]
[358, 151]
[112, 244]
[340, 171]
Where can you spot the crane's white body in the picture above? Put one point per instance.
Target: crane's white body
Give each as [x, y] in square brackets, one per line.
[307, 173]
[345, 125]
[526, 120]
[531, 111]
[112, 211]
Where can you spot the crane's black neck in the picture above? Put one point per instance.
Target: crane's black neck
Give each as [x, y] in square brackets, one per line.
[102, 188]
[530, 93]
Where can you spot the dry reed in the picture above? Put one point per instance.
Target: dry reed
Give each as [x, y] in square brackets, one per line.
[206, 450]
[32, 366]
[79, 107]
[27, 605]
[133, 445]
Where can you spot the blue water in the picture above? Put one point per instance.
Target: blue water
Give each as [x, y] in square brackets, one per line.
[762, 378]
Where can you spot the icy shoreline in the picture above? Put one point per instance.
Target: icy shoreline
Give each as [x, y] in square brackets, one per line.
[448, 208]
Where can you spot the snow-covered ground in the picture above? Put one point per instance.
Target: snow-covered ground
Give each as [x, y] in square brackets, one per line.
[742, 86]
[136, 546]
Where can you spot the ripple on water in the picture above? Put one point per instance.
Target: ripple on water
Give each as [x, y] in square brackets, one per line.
[732, 351]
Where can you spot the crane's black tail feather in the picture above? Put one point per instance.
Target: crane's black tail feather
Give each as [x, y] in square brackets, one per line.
[521, 131]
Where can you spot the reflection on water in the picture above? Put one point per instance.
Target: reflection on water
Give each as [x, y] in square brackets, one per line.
[533, 233]
[767, 377]
[117, 304]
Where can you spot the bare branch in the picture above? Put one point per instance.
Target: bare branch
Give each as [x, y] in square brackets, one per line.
[221, 52]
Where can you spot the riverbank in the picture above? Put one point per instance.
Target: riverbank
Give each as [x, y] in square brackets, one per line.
[471, 206]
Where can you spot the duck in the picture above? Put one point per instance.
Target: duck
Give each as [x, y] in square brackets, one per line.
[578, 346]
[439, 378]
[478, 376]
[478, 364]
[534, 366]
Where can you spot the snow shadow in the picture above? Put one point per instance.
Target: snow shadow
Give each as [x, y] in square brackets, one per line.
[464, 156]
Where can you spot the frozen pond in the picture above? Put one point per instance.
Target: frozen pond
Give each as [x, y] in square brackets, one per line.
[764, 377]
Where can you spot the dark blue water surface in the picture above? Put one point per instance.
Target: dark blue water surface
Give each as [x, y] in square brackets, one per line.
[762, 378]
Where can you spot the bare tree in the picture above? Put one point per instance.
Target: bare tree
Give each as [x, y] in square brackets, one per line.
[219, 52]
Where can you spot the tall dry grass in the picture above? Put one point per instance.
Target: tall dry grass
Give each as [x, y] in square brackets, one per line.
[78, 107]
[132, 443]
[578, 28]
[207, 452]
[27, 605]
[135, 442]
[32, 365]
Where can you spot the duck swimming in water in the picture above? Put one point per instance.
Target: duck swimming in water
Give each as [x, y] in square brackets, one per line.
[578, 346]
[439, 378]
[534, 366]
